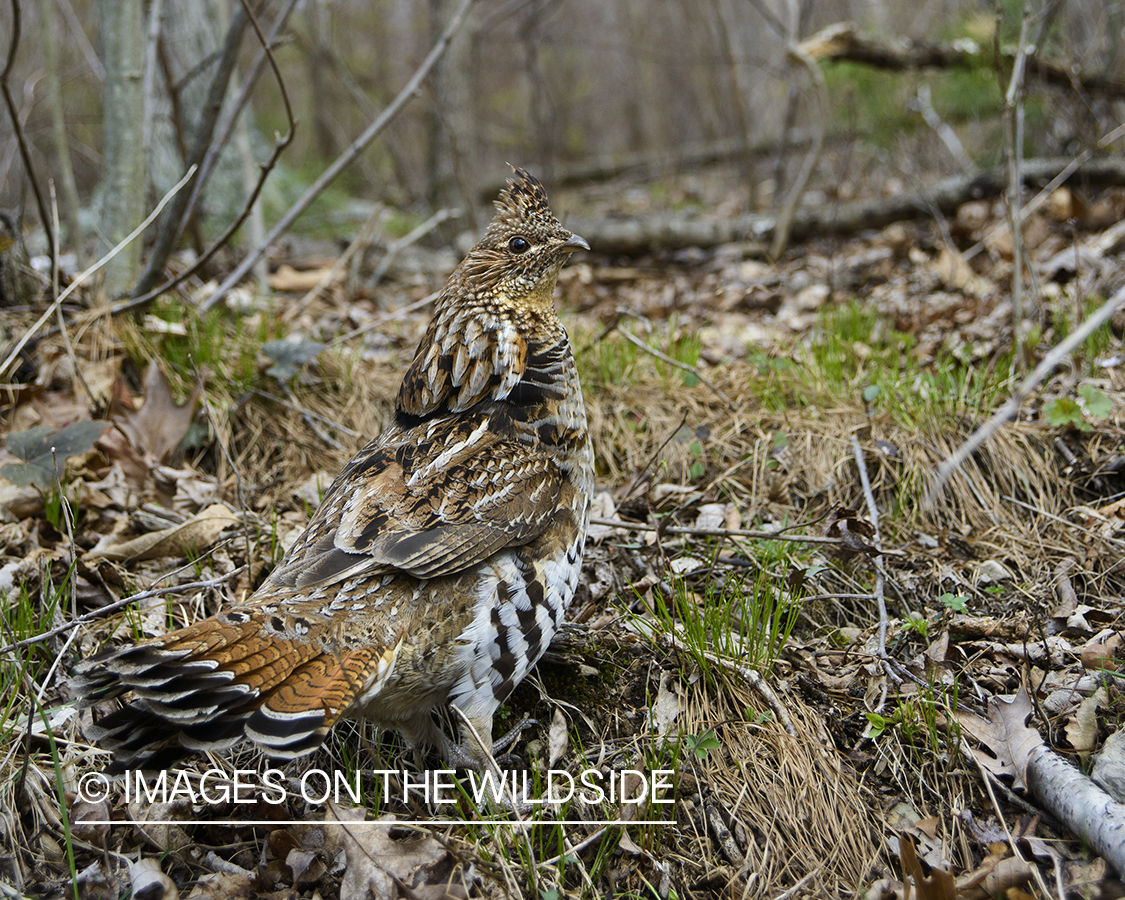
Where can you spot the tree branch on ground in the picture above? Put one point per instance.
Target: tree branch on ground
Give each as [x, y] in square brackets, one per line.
[653, 233]
[841, 42]
[1010, 409]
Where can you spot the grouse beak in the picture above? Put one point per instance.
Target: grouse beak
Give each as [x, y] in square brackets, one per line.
[574, 242]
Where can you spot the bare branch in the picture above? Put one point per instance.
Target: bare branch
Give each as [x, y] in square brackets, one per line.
[344, 159]
[17, 127]
[80, 279]
[225, 128]
[877, 542]
[798, 53]
[1009, 410]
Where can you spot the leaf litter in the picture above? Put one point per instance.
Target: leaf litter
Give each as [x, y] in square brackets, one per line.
[838, 772]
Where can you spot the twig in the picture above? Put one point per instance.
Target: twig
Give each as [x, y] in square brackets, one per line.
[345, 259]
[54, 291]
[171, 225]
[986, 777]
[119, 604]
[629, 336]
[751, 676]
[343, 160]
[363, 238]
[225, 128]
[308, 413]
[948, 136]
[78, 281]
[152, 39]
[310, 420]
[385, 317]
[1032, 205]
[643, 473]
[577, 848]
[1058, 353]
[799, 886]
[17, 127]
[880, 571]
[720, 532]
[1013, 106]
[413, 237]
[1095, 535]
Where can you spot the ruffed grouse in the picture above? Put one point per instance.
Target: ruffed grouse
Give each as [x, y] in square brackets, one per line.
[439, 565]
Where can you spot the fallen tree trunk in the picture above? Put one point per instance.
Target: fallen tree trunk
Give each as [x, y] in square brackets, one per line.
[636, 236]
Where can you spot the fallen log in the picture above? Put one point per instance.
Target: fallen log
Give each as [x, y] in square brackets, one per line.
[637, 236]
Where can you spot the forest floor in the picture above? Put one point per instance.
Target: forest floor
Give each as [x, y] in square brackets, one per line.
[727, 624]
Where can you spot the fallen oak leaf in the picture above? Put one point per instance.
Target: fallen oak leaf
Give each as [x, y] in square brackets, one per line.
[42, 452]
[1006, 734]
[188, 538]
[151, 432]
[852, 530]
[379, 866]
[930, 882]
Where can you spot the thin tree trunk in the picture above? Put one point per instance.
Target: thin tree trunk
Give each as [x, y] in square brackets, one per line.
[63, 165]
[123, 183]
[741, 92]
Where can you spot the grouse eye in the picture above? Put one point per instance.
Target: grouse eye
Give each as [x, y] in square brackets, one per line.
[519, 245]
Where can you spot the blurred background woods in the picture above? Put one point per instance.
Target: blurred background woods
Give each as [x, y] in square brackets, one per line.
[116, 97]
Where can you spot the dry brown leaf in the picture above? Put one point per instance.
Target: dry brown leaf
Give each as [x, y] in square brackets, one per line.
[665, 708]
[192, 537]
[381, 867]
[1100, 652]
[936, 884]
[82, 813]
[18, 502]
[286, 278]
[956, 274]
[119, 450]
[1006, 734]
[151, 432]
[95, 883]
[852, 530]
[993, 878]
[1082, 729]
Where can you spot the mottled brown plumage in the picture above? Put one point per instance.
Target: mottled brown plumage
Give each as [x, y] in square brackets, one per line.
[441, 561]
